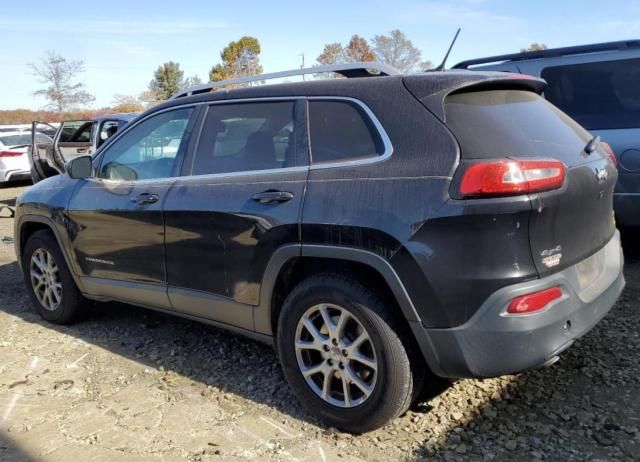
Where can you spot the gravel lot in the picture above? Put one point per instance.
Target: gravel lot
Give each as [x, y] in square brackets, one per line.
[128, 384]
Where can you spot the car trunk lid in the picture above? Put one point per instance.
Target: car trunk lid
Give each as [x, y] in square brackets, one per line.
[567, 224]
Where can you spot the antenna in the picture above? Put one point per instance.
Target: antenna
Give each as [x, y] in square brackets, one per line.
[441, 66]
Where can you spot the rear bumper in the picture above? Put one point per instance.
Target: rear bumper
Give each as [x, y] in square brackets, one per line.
[492, 344]
[627, 209]
[14, 175]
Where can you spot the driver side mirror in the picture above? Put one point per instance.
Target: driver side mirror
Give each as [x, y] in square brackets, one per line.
[80, 167]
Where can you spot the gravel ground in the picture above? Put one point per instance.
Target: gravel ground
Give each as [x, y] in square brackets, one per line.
[128, 384]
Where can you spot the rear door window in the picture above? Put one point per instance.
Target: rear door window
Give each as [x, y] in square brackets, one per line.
[602, 95]
[76, 131]
[341, 131]
[245, 137]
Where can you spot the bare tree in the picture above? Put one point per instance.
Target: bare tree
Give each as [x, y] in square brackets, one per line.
[127, 103]
[397, 50]
[62, 91]
[191, 82]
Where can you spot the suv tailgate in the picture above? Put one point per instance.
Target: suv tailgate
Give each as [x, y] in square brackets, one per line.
[566, 225]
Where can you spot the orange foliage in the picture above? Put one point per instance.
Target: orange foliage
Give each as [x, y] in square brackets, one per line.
[26, 116]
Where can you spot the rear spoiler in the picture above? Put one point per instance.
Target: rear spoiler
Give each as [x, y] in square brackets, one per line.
[433, 92]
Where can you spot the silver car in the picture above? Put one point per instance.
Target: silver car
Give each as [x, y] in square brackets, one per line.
[599, 86]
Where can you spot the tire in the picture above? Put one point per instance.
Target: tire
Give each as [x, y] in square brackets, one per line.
[70, 302]
[390, 387]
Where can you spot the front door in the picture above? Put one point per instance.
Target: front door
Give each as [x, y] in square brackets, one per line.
[239, 199]
[115, 219]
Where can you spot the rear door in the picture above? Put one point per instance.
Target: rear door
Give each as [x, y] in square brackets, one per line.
[568, 224]
[604, 97]
[73, 139]
[40, 143]
[239, 199]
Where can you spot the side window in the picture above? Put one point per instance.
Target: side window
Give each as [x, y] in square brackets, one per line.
[76, 131]
[341, 130]
[239, 137]
[602, 95]
[107, 130]
[149, 150]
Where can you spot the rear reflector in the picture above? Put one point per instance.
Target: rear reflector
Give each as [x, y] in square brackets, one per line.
[509, 177]
[10, 153]
[612, 155]
[536, 301]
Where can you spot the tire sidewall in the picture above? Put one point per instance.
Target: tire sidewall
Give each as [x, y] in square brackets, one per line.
[381, 398]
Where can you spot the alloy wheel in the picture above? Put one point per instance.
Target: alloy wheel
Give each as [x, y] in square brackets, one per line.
[45, 279]
[335, 355]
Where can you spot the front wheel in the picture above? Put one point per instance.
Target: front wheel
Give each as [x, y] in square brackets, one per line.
[49, 282]
[341, 353]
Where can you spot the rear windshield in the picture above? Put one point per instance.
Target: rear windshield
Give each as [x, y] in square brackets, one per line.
[502, 123]
[603, 95]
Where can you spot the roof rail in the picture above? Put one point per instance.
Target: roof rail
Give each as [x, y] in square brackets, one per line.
[551, 52]
[349, 70]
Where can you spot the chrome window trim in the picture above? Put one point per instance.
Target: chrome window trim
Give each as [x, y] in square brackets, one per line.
[388, 147]
[386, 141]
[269, 171]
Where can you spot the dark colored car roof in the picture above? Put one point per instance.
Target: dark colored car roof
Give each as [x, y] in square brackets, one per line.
[429, 87]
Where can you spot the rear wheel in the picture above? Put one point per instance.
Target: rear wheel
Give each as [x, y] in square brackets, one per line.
[341, 353]
[49, 282]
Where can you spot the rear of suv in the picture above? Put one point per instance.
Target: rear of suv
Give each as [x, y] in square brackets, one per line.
[597, 85]
[377, 230]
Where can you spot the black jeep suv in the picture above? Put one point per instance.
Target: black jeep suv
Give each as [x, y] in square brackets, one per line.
[377, 230]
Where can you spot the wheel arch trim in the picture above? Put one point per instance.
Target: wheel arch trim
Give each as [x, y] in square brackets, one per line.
[263, 312]
[52, 226]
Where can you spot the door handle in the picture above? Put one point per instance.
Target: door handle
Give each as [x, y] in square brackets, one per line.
[146, 198]
[266, 197]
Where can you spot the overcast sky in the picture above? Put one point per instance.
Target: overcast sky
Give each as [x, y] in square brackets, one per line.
[122, 43]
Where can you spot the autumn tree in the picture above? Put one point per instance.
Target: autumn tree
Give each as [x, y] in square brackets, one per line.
[63, 92]
[535, 46]
[333, 53]
[127, 103]
[398, 51]
[358, 50]
[239, 59]
[167, 80]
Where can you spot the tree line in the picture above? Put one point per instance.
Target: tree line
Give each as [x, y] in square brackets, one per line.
[65, 93]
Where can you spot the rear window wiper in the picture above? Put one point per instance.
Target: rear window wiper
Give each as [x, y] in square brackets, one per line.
[592, 145]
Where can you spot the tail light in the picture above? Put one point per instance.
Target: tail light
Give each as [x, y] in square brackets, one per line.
[609, 150]
[10, 153]
[510, 177]
[531, 303]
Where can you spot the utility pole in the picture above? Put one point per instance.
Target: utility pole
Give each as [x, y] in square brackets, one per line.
[302, 65]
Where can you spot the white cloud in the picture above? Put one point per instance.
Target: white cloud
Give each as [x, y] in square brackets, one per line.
[111, 27]
[468, 13]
